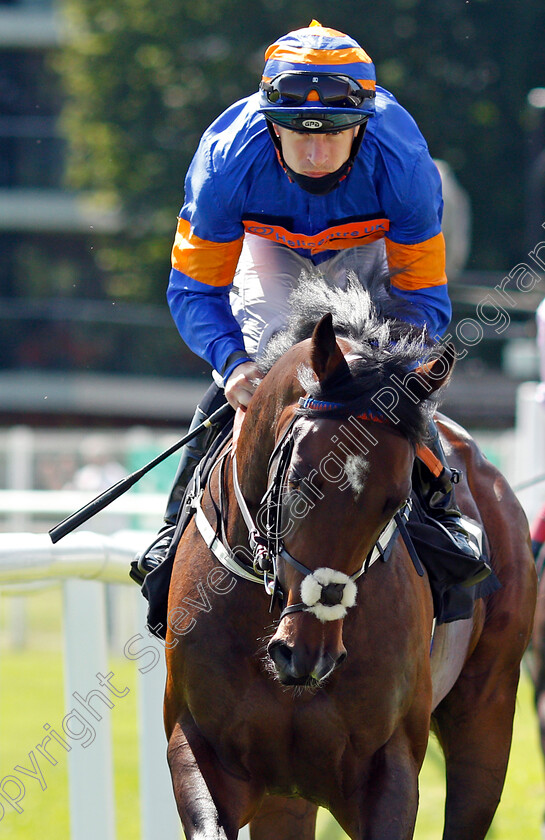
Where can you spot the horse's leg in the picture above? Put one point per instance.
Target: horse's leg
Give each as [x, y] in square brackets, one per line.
[392, 799]
[474, 724]
[386, 805]
[211, 802]
[280, 818]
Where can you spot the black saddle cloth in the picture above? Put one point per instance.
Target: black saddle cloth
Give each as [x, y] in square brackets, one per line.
[446, 567]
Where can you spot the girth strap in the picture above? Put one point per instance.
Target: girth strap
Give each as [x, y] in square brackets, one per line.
[406, 537]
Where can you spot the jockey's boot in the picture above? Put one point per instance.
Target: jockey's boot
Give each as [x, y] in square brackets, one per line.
[191, 455]
[437, 486]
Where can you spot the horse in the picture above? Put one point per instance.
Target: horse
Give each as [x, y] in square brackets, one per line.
[320, 686]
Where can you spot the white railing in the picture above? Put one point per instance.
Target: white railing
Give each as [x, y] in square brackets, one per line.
[64, 469]
[59, 502]
[529, 448]
[83, 563]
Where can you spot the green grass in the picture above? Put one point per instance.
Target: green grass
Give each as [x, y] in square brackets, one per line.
[31, 694]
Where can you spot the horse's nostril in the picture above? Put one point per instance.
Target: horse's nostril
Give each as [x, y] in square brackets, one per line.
[340, 659]
[280, 653]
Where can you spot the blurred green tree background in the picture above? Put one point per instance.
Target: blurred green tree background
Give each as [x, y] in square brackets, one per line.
[143, 79]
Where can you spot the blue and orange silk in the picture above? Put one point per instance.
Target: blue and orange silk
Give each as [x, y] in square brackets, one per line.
[235, 185]
[322, 50]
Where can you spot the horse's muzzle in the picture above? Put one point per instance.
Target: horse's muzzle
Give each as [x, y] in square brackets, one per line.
[296, 665]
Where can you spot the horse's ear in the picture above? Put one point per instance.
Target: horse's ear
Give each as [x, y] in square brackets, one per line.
[325, 353]
[435, 373]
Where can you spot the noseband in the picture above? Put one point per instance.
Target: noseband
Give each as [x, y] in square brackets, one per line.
[326, 593]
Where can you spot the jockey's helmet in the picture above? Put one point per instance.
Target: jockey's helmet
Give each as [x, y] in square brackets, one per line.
[317, 80]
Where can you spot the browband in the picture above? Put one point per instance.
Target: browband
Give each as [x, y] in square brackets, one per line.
[323, 406]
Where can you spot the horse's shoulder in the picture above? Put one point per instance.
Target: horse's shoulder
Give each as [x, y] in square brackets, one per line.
[453, 431]
[464, 453]
[487, 484]
[462, 449]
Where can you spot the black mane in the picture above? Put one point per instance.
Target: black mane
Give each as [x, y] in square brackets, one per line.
[385, 346]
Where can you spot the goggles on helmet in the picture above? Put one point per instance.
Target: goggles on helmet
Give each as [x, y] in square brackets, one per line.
[336, 91]
[339, 102]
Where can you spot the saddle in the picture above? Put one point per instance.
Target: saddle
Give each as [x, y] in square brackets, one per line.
[446, 567]
[425, 539]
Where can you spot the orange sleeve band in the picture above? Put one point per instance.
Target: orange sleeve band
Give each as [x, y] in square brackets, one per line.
[417, 266]
[212, 263]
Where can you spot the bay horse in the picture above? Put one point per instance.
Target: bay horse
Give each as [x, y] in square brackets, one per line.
[329, 700]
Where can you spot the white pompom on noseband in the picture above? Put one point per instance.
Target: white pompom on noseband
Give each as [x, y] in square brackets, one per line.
[311, 594]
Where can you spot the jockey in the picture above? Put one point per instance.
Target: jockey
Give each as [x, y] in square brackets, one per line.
[319, 168]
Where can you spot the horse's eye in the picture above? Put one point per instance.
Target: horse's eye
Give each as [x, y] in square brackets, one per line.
[294, 481]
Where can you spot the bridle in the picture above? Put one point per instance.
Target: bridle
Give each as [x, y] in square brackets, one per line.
[326, 593]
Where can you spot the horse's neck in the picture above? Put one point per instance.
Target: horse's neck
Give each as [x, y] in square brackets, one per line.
[257, 439]
[254, 448]
[266, 415]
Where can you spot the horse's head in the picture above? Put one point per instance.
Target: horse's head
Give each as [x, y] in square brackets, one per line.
[337, 478]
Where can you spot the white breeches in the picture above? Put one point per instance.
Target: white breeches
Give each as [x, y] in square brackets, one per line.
[268, 272]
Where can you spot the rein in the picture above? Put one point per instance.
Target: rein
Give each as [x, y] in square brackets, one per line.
[325, 592]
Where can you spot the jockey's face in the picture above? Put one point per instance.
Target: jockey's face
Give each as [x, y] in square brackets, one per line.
[315, 155]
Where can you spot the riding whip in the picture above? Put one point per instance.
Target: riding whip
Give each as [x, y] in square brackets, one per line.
[104, 499]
